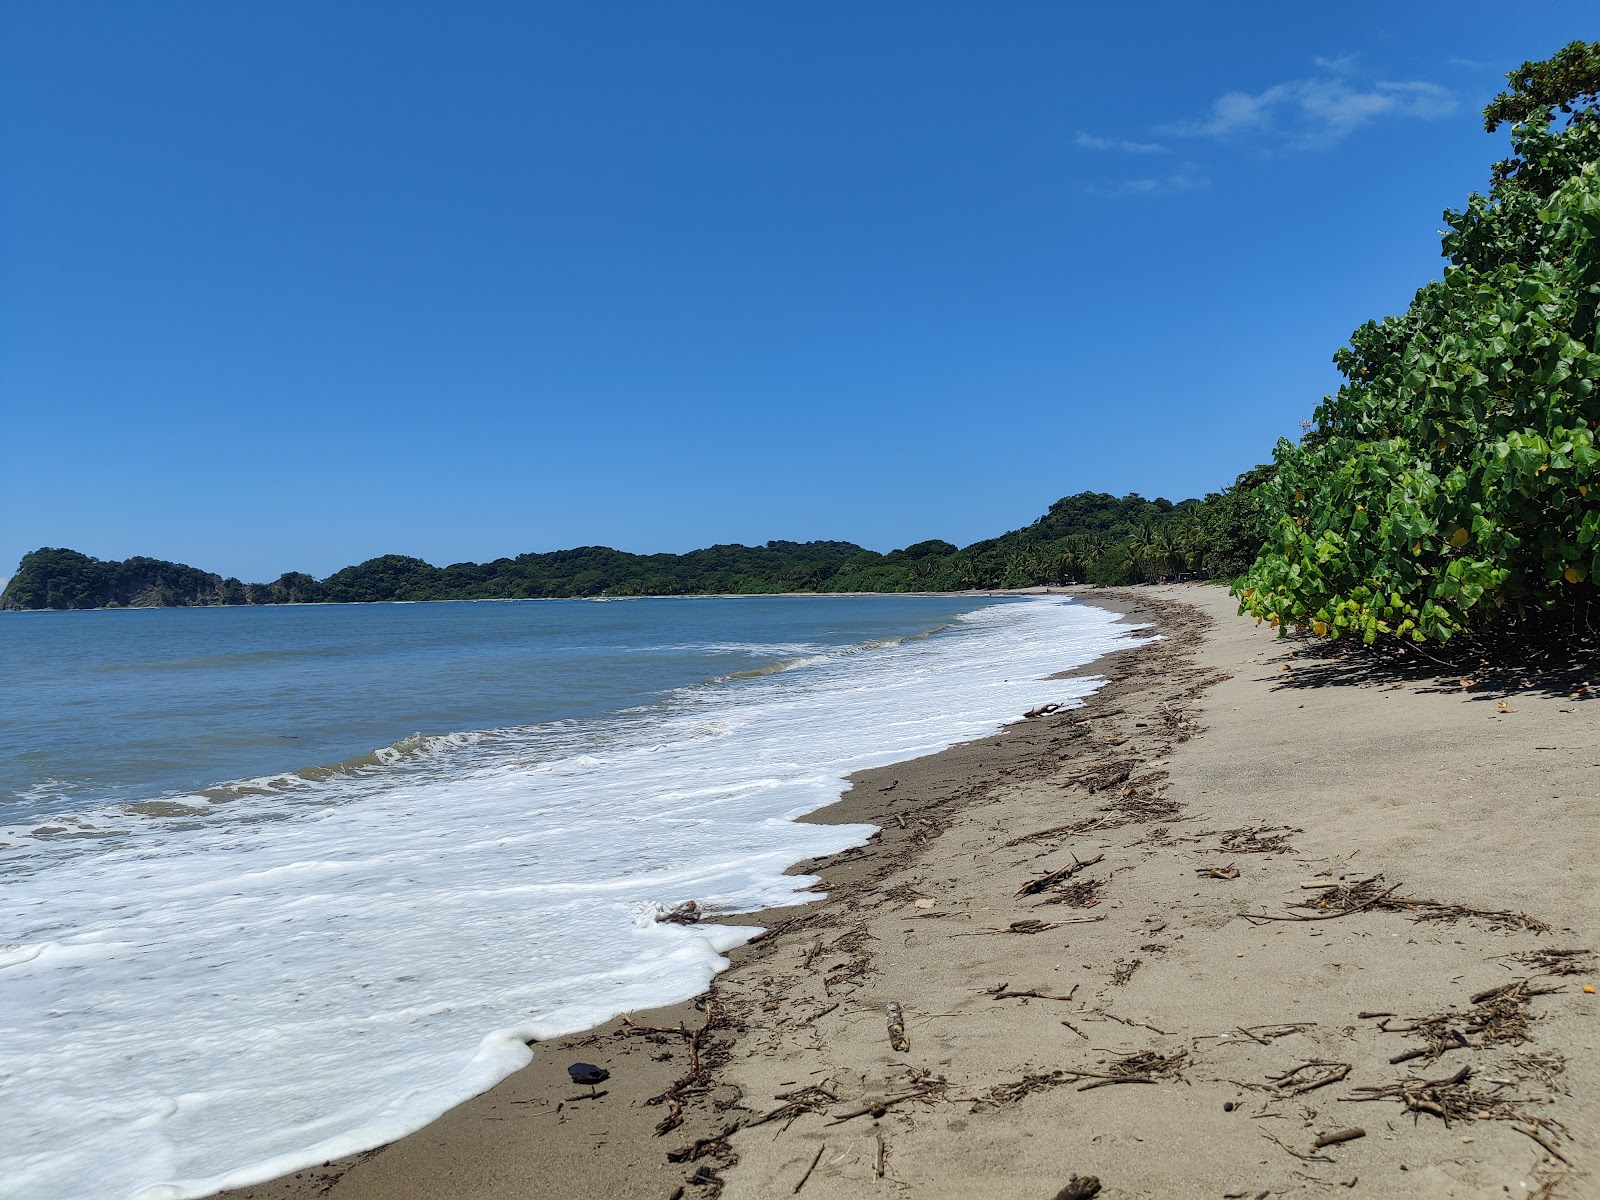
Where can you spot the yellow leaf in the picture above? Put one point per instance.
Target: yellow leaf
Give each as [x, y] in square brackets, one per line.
[1572, 575]
[1458, 539]
[1583, 489]
[1320, 628]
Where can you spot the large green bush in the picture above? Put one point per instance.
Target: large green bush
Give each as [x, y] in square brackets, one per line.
[1449, 481]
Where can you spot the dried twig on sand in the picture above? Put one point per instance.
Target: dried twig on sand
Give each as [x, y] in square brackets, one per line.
[1346, 899]
[1254, 839]
[1498, 1016]
[1557, 962]
[1309, 1076]
[1035, 886]
[1148, 1066]
[1004, 991]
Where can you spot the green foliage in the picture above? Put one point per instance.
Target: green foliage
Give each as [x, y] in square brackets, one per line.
[1568, 79]
[1448, 482]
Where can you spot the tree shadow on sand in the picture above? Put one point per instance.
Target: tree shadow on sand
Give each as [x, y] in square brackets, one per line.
[1554, 655]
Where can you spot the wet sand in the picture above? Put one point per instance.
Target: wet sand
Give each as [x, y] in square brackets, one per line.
[1080, 921]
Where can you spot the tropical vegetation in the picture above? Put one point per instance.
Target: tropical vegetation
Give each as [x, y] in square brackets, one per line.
[1446, 488]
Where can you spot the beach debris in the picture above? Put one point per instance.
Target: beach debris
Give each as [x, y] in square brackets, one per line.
[897, 1027]
[1228, 872]
[672, 1096]
[1498, 1016]
[1543, 1065]
[687, 913]
[588, 1075]
[1335, 1136]
[926, 1086]
[1557, 962]
[1044, 710]
[1148, 1066]
[1309, 1076]
[797, 1103]
[1083, 894]
[1003, 991]
[1031, 925]
[1254, 839]
[1346, 899]
[717, 1144]
[1080, 1187]
[1106, 775]
[1034, 886]
[1313, 1157]
[814, 1161]
[1456, 1097]
[878, 1157]
[1124, 971]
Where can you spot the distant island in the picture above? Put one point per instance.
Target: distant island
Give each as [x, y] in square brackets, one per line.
[1090, 537]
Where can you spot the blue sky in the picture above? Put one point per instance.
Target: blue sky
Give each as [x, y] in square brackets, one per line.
[286, 286]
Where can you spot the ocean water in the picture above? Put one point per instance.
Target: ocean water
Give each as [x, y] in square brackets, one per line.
[281, 884]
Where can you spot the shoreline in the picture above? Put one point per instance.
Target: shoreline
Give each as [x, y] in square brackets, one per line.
[1038, 590]
[1148, 954]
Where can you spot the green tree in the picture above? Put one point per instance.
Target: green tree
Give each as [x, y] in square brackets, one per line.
[1448, 482]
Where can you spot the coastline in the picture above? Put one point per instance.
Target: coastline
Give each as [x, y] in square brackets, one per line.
[1210, 752]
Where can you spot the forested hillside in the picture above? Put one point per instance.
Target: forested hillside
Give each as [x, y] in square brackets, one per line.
[1090, 536]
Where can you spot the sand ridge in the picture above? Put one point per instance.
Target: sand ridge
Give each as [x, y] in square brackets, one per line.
[1080, 923]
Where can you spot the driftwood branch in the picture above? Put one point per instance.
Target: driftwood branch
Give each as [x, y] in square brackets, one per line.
[1334, 1137]
[814, 1161]
[1035, 886]
[897, 1027]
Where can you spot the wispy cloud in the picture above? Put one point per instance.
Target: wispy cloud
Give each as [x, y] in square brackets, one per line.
[1186, 178]
[1089, 141]
[1319, 111]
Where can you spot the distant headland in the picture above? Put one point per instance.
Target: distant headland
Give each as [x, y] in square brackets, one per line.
[1089, 537]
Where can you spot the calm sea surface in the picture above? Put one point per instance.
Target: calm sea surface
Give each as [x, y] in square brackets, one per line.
[282, 883]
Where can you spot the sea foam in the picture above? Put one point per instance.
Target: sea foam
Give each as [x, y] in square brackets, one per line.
[207, 1003]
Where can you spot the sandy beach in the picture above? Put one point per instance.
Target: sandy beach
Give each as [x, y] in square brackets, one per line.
[1255, 921]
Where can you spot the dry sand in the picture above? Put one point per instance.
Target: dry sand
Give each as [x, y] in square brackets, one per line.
[1137, 1019]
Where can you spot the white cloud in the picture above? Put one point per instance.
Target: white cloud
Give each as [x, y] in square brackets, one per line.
[1186, 178]
[1320, 111]
[1089, 141]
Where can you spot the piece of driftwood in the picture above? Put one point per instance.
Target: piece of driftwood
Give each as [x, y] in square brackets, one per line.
[897, 1027]
[1309, 1076]
[1003, 991]
[1034, 886]
[1334, 1137]
[814, 1161]
[878, 1107]
[1044, 710]
[878, 1156]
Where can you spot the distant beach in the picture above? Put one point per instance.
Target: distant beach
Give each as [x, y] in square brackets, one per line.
[1256, 919]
